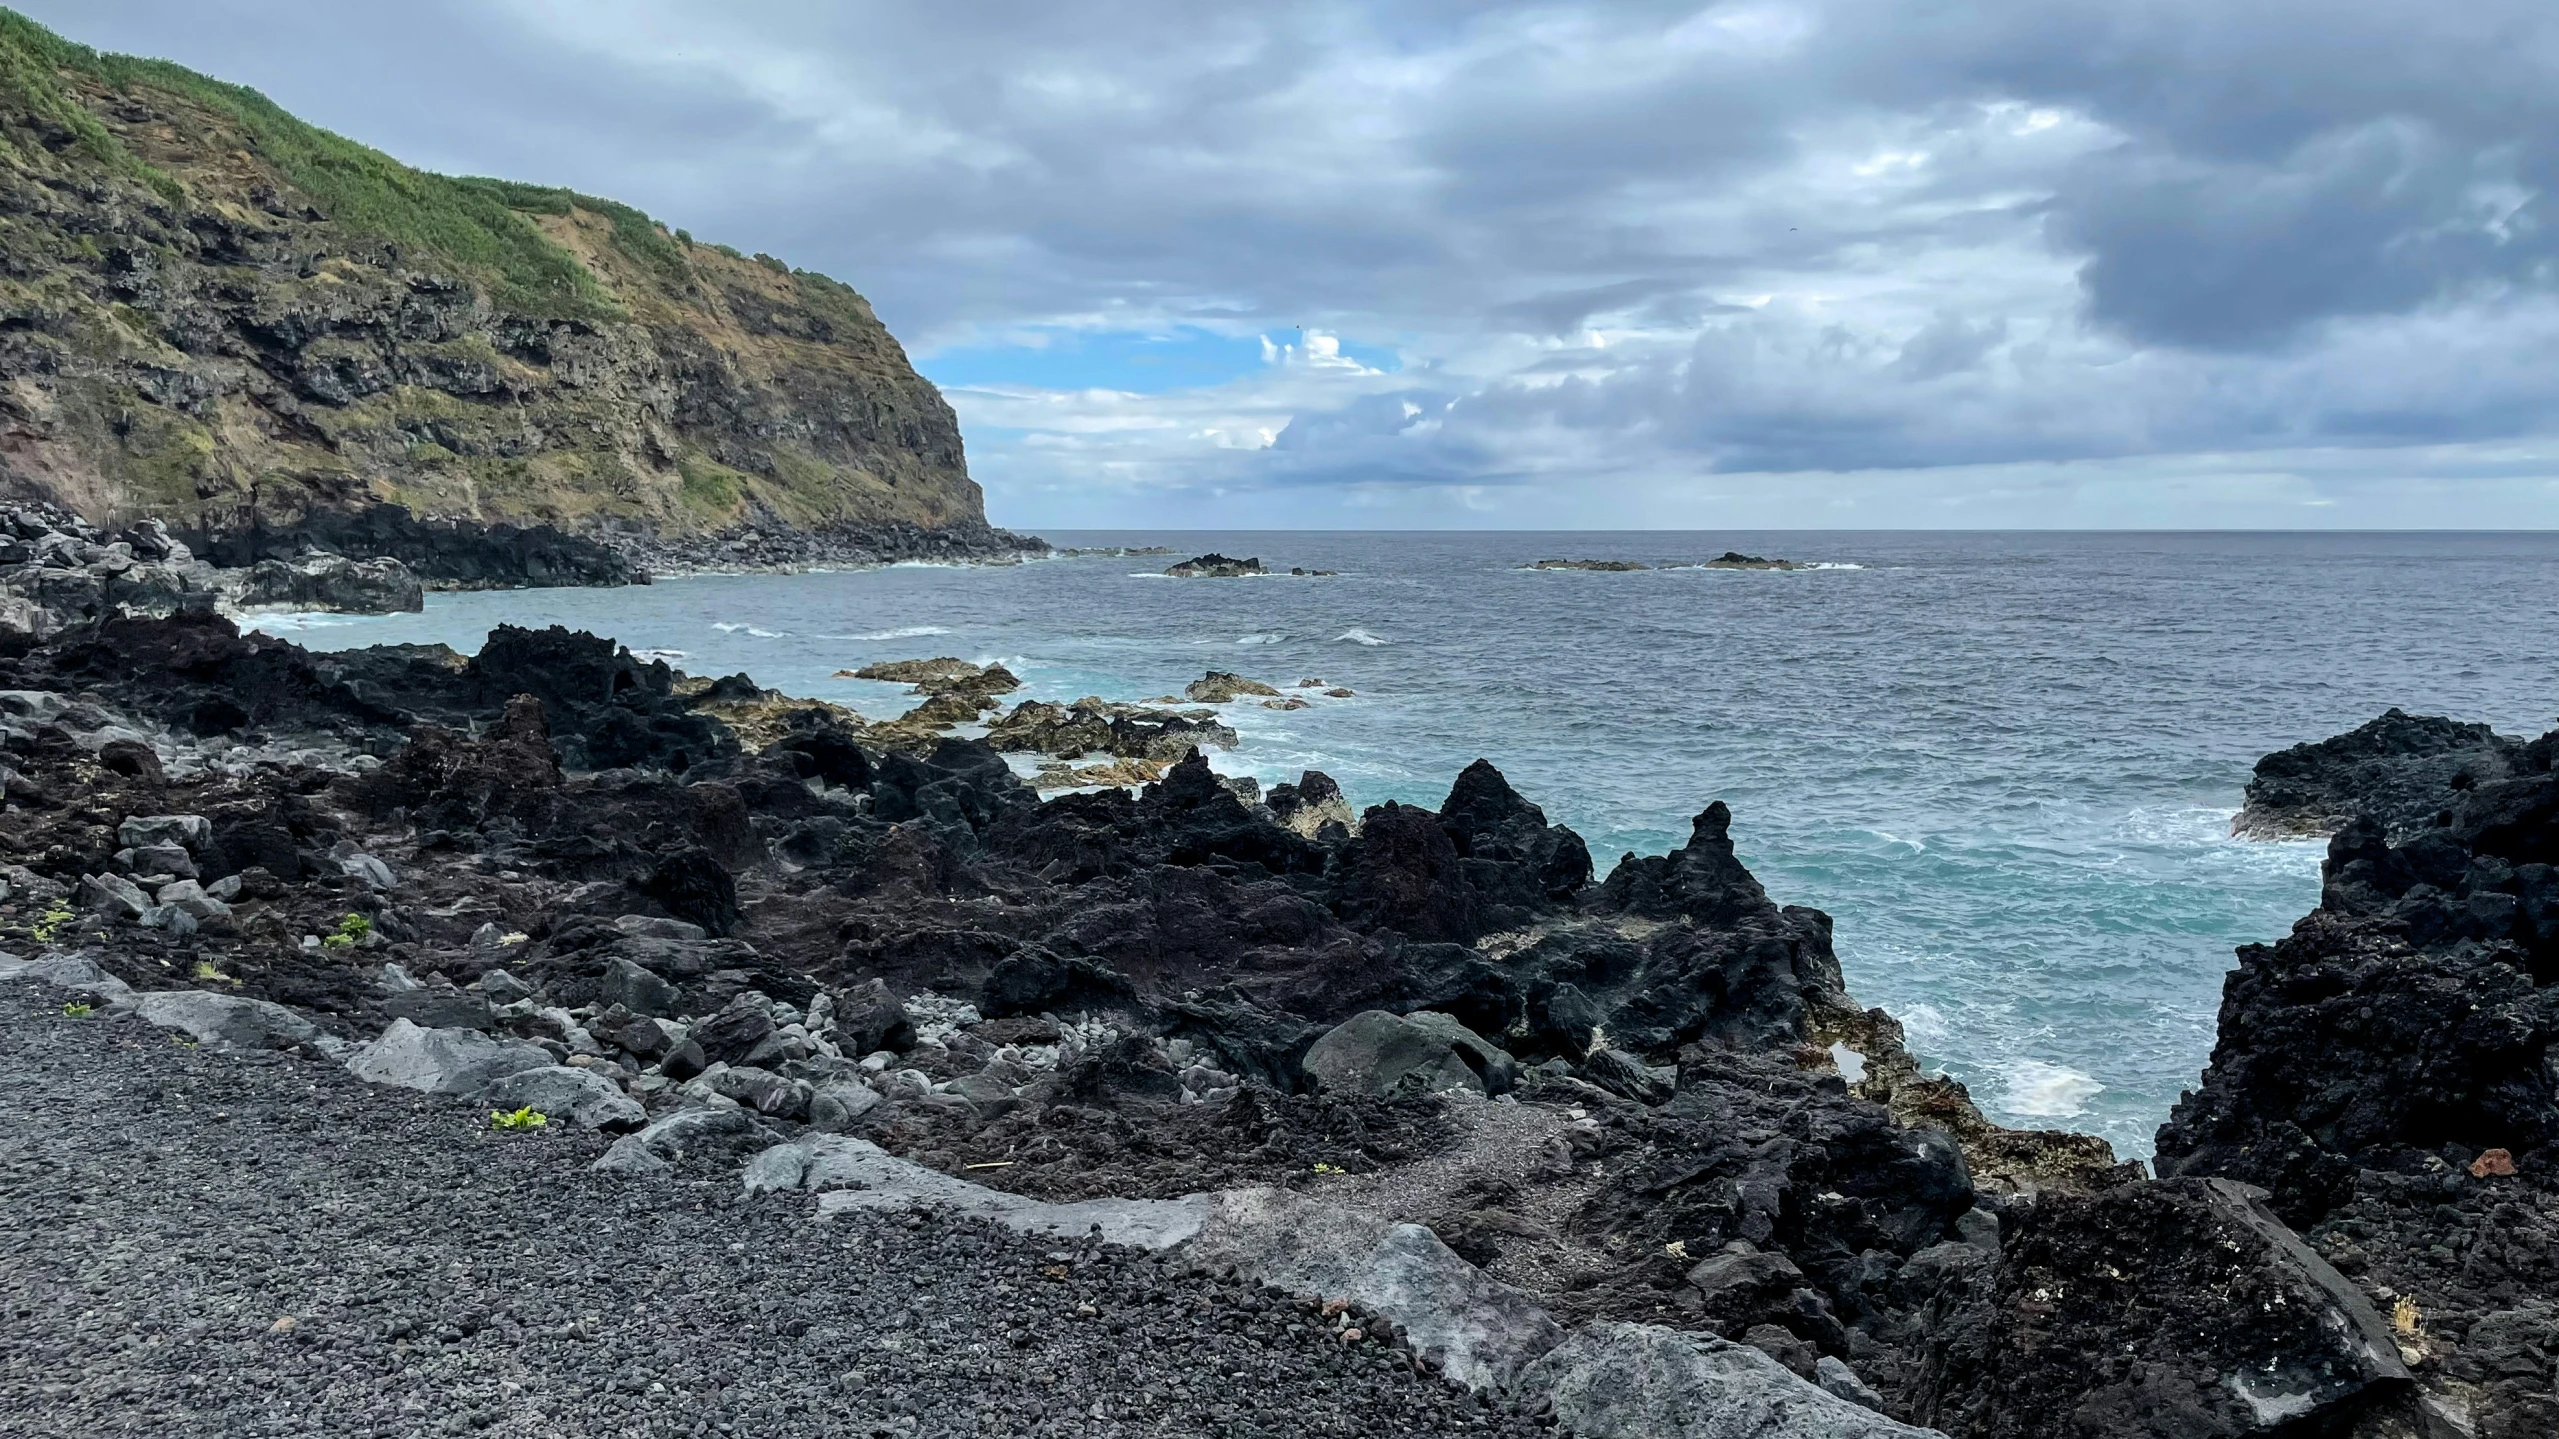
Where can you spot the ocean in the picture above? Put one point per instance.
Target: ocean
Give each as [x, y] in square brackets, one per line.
[2006, 764]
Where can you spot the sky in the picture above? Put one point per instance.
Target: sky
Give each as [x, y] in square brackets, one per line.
[1426, 264]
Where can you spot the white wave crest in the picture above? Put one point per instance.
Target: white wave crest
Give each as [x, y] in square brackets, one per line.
[908, 632]
[1267, 637]
[2047, 1091]
[1360, 637]
[659, 655]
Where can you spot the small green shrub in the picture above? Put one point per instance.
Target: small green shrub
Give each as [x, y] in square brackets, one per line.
[351, 931]
[525, 1118]
[77, 1010]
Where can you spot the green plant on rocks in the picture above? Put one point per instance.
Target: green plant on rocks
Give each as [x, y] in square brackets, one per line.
[50, 924]
[525, 1118]
[77, 1010]
[351, 931]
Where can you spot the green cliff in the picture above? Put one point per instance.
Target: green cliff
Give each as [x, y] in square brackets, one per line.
[211, 311]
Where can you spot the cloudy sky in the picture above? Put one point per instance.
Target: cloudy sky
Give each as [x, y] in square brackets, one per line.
[1865, 263]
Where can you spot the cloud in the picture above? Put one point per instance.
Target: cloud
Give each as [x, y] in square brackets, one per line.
[1618, 251]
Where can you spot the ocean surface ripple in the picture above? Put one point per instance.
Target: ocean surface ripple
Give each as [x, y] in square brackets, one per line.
[2005, 764]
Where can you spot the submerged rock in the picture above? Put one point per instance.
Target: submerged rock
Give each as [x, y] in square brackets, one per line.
[1602, 566]
[1217, 687]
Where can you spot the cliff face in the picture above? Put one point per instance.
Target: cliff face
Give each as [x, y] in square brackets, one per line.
[214, 313]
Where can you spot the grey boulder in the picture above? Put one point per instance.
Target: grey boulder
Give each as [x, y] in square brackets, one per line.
[579, 1096]
[854, 1175]
[442, 1061]
[686, 1133]
[113, 895]
[837, 1104]
[1375, 1052]
[636, 990]
[76, 972]
[869, 1018]
[1639, 1381]
[225, 1019]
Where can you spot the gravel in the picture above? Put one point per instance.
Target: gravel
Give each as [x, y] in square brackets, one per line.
[219, 1243]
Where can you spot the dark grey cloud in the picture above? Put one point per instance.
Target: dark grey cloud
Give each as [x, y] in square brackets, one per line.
[1634, 238]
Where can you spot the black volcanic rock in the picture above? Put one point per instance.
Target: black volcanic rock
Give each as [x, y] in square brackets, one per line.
[1214, 566]
[2402, 770]
[2390, 1072]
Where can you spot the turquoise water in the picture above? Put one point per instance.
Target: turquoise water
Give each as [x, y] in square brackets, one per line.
[2006, 764]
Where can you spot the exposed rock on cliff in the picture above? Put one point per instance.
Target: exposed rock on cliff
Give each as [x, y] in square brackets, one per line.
[216, 314]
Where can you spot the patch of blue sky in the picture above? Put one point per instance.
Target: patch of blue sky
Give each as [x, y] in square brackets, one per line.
[1185, 357]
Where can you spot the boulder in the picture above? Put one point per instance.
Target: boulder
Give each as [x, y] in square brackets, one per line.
[68, 971]
[442, 1061]
[1306, 807]
[761, 1090]
[712, 1134]
[158, 859]
[225, 1019]
[317, 581]
[1639, 1381]
[1375, 1053]
[856, 1176]
[189, 831]
[637, 1033]
[869, 1017]
[1478, 1331]
[113, 896]
[729, 1036]
[638, 991]
[836, 1105]
[504, 988]
[579, 1096]
[431, 1008]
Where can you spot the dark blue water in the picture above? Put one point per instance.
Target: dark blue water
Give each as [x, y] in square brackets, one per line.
[2005, 763]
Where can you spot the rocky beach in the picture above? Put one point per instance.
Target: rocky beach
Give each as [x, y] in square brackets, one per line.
[1609, 1153]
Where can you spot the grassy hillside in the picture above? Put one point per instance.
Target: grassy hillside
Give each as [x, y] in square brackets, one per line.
[208, 305]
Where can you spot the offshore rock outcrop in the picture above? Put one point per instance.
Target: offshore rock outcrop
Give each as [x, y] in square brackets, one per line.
[2389, 1071]
[272, 337]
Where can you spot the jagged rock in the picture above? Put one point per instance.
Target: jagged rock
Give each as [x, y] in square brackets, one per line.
[1306, 807]
[572, 1095]
[1376, 1053]
[1096, 726]
[2402, 770]
[1636, 1381]
[441, 1061]
[1736, 560]
[225, 1019]
[1835, 1377]
[332, 582]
